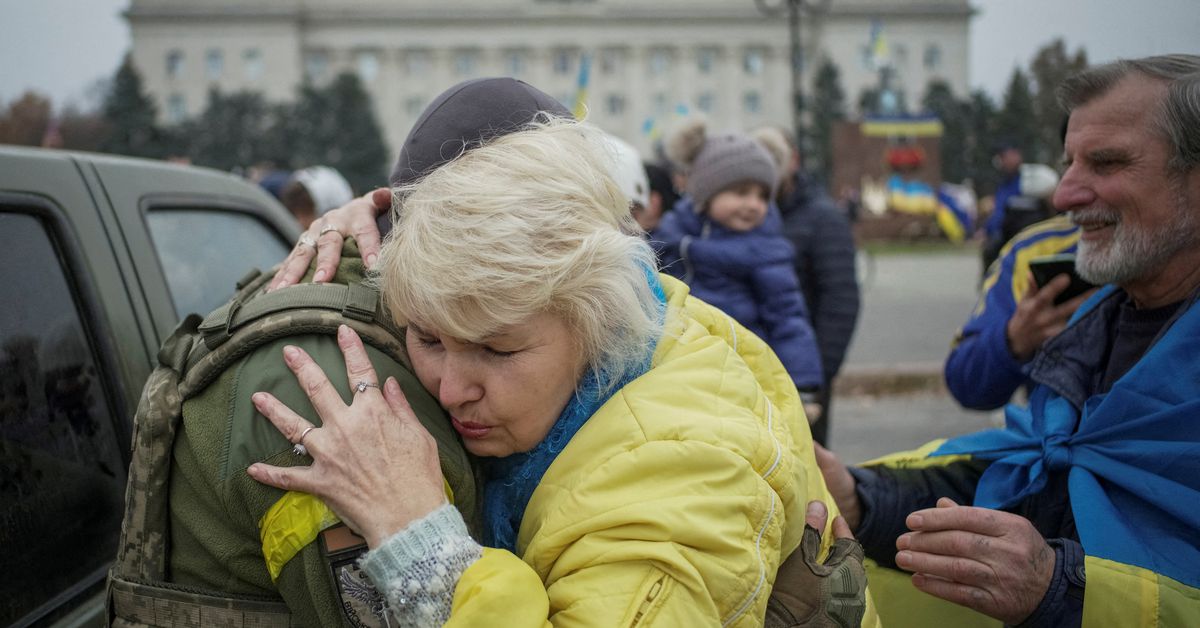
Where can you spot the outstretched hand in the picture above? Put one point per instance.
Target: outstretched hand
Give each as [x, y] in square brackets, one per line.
[991, 561]
[374, 463]
[325, 236]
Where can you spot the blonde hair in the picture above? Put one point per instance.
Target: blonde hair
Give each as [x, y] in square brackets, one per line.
[527, 223]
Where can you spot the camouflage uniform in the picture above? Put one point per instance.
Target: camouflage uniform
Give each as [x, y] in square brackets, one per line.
[231, 537]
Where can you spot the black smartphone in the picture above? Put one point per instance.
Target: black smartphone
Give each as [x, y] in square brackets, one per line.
[1046, 268]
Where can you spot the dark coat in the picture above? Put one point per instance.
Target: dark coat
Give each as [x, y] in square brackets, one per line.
[824, 263]
[748, 275]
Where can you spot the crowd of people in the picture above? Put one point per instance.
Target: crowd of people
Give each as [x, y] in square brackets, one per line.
[608, 385]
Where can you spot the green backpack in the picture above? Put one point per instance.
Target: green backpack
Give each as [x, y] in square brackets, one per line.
[191, 363]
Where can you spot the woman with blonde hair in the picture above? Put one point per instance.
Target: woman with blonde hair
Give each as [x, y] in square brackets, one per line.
[646, 458]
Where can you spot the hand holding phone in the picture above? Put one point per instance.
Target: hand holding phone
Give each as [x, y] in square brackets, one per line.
[1047, 268]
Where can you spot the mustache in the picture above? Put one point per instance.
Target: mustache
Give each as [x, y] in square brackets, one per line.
[1094, 214]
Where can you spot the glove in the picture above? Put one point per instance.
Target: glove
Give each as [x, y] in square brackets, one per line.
[809, 594]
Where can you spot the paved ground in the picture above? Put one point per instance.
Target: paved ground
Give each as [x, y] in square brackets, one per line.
[913, 303]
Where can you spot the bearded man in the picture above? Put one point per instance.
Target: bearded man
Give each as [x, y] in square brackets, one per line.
[1085, 506]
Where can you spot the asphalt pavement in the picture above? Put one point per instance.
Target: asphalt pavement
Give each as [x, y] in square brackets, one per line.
[890, 395]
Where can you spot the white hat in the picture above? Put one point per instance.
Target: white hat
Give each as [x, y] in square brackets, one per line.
[328, 189]
[628, 171]
[1038, 180]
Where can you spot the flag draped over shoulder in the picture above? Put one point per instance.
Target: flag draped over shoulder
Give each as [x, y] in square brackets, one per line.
[1133, 464]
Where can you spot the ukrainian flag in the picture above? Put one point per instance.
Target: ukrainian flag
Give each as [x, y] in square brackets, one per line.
[952, 218]
[581, 88]
[910, 197]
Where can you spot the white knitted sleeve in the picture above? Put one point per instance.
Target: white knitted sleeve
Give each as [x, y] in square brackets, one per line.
[417, 568]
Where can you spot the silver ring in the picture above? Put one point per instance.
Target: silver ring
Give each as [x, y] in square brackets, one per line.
[362, 386]
[327, 227]
[299, 449]
[306, 240]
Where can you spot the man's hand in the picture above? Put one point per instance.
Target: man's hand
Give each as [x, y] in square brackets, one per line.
[841, 485]
[991, 561]
[1037, 319]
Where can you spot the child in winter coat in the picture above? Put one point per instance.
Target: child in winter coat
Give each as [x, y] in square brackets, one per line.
[725, 240]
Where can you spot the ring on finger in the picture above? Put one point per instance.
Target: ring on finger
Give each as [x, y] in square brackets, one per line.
[307, 240]
[327, 227]
[363, 385]
[299, 449]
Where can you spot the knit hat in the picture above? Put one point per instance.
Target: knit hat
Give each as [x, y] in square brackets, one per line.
[715, 162]
[466, 116]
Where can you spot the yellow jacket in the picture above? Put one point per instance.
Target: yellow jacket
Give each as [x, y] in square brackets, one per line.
[675, 502]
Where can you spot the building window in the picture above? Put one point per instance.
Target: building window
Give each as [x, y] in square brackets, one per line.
[316, 65]
[752, 102]
[660, 104]
[367, 62]
[753, 60]
[900, 55]
[214, 64]
[563, 61]
[612, 60]
[516, 62]
[466, 63]
[414, 105]
[175, 64]
[417, 62]
[706, 102]
[706, 60]
[252, 64]
[176, 109]
[615, 104]
[933, 56]
[660, 61]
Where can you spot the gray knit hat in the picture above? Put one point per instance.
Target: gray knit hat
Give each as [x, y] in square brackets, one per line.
[715, 162]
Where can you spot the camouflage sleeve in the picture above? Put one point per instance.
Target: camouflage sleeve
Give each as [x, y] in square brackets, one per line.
[218, 511]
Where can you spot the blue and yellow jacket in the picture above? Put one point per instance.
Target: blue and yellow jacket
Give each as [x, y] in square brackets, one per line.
[980, 371]
[1110, 477]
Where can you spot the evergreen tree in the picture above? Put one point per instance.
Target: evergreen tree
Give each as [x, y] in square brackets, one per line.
[1051, 65]
[954, 145]
[981, 123]
[1017, 121]
[336, 126]
[130, 115]
[829, 106]
[232, 129]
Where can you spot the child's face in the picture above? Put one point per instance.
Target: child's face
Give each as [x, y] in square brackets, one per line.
[740, 207]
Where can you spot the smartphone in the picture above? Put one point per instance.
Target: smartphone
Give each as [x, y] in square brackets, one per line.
[1046, 268]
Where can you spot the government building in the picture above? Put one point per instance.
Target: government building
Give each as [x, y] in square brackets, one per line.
[647, 61]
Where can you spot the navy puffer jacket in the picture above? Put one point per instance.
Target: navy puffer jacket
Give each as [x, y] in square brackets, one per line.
[748, 275]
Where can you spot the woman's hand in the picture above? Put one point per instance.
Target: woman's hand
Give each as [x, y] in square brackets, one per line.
[374, 463]
[325, 236]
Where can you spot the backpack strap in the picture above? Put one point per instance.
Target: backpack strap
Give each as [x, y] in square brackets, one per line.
[356, 301]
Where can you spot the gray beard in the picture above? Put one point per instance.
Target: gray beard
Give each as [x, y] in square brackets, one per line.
[1133, 253]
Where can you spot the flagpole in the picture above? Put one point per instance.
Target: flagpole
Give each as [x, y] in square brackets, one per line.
[794, 8]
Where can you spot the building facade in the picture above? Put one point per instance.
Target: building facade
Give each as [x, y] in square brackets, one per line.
[650, 61]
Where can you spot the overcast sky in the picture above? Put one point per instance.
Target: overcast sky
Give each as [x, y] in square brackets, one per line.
[61, 47]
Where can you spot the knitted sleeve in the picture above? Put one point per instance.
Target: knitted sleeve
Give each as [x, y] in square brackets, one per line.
[417, 568]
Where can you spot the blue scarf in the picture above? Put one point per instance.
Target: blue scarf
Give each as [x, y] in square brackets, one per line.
[1133, 464]
[511, 480]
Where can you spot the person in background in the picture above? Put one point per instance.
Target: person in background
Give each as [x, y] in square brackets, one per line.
[824, 263]
[1084, 505]
[725, 240]
[1007, 159]
[663, 196]
[313, 191]
[628, 174]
